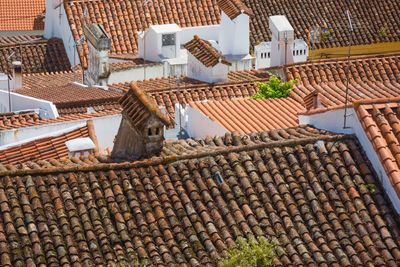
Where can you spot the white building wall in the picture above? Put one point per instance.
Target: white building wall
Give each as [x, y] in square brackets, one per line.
[56, 25]
[106, 128]
[208, 32]
[282, 41]
[136, 74]
[198, 71]
[333, 121]
[234, 35]
[21, 102]
[200, 126]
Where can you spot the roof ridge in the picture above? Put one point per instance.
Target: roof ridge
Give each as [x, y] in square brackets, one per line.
[170, 159]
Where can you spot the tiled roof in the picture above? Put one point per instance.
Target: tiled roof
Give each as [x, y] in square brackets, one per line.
[381, 123]
[169, 91]
[18, 121]
[22, 15]
[246, 115]
[15, 120]
[233, 8]
[370, 77]
[138, 106]
[310, 198]
[46, 148]
[374, 21]
[36, 54]
[204, 52]
[60, 89]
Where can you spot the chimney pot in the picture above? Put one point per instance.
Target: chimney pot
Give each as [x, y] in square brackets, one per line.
[17, 75]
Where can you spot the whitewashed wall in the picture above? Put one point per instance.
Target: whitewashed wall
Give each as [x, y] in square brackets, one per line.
[199, 125]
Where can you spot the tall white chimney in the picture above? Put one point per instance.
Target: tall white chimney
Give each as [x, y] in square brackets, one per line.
[17, 75]
[282, 41]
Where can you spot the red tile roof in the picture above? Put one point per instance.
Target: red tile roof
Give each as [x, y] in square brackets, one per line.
[169, 91]
[14, 121]
[233, 8]
[22, 15]
[60, 89]
[381, 123]
[370, 77]
[36, 54]
[310, 198]
[204, 52]
[246, 115]
[374, 21]
[45, 148]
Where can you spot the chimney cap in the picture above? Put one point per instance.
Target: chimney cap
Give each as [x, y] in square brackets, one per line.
[17, 63]
[97, 36]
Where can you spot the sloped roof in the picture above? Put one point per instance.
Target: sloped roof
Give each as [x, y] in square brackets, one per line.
[168, 91]
[45, 148]
[309, 196]
[233, 8]
[138, 106]
[370, 77]
[247, 115]
[22, 15]
[381, 122]
[373, 21]
[37, 54]
[204, 52]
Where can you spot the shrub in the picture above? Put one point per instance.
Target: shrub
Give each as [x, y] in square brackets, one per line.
[250, 253]
[274, 88]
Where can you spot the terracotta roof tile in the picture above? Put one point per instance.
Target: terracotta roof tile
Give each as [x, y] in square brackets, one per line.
[370, 77]
[15, 121]
[204, 52]
[169, 91]
[46, 148]
[138, 106]
[36, 54]
[381, 123]
[22, 15]
[123, 19]
[246, 115]
[233, 8]
[309, 198]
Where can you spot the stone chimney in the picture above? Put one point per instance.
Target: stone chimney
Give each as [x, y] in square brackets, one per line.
[313, 100]
[205, 62]
[141, 132]
[282, 41]
[17, 75]
[99, 44]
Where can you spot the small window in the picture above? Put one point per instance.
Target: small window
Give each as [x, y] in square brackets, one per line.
[149, 132]
[269, 54]
[168, 39]
[157, 131]
[304, 52]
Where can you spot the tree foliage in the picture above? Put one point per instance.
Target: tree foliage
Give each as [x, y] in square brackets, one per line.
[274, 88]
[251, 253]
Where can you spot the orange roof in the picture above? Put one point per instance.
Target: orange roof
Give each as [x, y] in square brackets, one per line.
[22, 15]
[36, 54]
[381, 122]
[46, 148]
[233, 8]
[247, 115]
[204, 52]
[122, 19]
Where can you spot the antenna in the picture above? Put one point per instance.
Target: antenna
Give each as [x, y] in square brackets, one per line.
[348, 69]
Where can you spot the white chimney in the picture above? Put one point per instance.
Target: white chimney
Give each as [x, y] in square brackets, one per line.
[80, 147]
[17, 75]
[205, 62]
[282, 41]
[99, 44]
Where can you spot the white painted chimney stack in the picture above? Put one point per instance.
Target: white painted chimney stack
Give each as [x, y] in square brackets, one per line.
[282, 41]
[17, 75]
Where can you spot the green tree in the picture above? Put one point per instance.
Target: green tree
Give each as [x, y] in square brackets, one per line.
[250, 253]
[274, 88]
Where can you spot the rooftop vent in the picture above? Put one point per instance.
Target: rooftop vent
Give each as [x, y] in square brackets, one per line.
[218, 178]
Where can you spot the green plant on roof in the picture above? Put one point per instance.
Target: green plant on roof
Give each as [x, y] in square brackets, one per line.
[251, 253]
[371, 187]
[274, 88]
[383, 31]
[326, 34]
